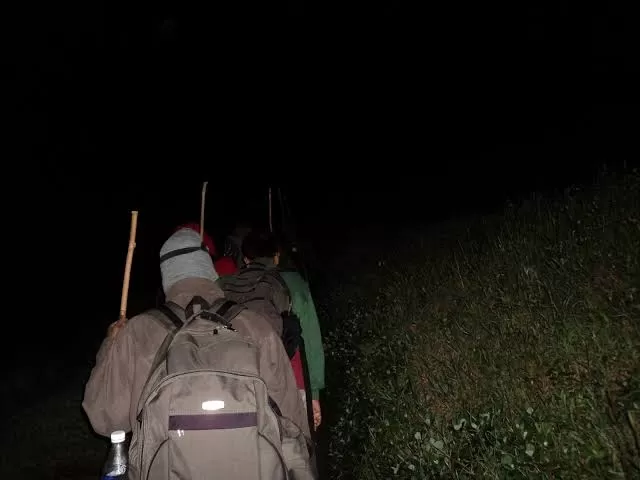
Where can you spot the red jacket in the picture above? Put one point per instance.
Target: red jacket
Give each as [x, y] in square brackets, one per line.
[298, 372]
[225, 266]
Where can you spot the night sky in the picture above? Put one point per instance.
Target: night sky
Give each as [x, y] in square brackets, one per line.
[395, 117]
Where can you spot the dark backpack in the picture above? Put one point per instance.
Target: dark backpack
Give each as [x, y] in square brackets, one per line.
[263, 290]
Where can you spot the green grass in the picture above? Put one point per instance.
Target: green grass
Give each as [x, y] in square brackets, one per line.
[506, 346]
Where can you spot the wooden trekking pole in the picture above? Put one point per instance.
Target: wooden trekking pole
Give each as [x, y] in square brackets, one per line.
[127, 266]
[202, 202]
[270, 214]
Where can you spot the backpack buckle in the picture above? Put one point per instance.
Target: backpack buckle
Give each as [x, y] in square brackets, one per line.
[214, 317]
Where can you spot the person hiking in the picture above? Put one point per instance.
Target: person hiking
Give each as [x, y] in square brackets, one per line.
[305, 309]
[201, 435]
[260, 286]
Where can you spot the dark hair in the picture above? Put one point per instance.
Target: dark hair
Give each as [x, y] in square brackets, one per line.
[260, 244]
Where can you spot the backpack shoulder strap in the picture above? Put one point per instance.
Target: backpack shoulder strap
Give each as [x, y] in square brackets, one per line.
[275, 275]
[172, 312]
[225, 311]
[250, 269]
[175, 314]
[169, 310]
[223, 306]
[195, 307]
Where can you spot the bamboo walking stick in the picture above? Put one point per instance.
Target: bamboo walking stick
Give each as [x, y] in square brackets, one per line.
[202, 202]
[270, 215]
[127, 267]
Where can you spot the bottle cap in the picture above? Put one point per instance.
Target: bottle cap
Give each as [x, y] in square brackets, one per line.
[118, 436]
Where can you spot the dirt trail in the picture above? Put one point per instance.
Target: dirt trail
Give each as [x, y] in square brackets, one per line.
[49, 437]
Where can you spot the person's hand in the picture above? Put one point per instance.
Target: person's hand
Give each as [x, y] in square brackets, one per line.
[115, 327]
[317, 413]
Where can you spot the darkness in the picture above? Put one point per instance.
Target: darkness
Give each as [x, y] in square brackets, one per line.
[385, 115]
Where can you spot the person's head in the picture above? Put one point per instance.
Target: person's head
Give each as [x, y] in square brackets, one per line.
[233, 243]
[289, 256]
[206, 238]
[241, 229]
[183, 256]
[259, 244]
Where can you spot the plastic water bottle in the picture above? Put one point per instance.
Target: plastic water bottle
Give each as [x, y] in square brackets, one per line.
[115, 468]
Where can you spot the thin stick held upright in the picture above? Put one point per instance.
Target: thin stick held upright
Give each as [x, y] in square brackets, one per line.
[127, 266]
[270, 214]
[202, 203]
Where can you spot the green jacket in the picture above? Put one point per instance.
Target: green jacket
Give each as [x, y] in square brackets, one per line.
[304, 307]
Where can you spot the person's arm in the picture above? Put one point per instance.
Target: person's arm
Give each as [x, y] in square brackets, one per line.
[296, 453]
[276, 370]
[107, 395]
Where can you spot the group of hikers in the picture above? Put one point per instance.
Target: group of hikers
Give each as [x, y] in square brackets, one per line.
[215, 380]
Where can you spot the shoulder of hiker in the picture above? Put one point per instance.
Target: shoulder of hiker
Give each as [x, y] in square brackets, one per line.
[255, 326]
[139, 324]
[252, 321]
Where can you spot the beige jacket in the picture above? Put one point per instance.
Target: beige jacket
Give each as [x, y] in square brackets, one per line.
[123, 364]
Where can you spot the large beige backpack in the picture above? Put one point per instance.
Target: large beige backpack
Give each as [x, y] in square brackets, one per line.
[204, 412]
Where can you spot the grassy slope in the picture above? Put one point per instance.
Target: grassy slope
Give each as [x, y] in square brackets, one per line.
[501, 347]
